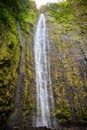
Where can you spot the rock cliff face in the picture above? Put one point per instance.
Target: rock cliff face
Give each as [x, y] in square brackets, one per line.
[67, 28]
[68, 41]
[17, 20]
[17, 82]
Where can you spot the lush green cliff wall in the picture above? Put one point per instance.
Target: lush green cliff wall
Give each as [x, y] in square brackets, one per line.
[12, 14]
[67, 23]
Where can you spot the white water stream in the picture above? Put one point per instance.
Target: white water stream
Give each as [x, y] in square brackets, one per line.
[44, 93]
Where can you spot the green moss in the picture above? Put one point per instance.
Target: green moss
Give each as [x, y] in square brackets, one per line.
[12, 40]
[10, 13]
[61, 12]
[68, 38]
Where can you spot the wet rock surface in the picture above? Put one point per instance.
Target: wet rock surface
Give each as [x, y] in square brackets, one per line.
[68, 69]
[44, 128]
[68, 41]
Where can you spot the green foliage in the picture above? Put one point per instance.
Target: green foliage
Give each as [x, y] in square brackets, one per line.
[12, 11]
[12, 40]
[68, 36]
[8, 79]
[61, 12]
[29, 17]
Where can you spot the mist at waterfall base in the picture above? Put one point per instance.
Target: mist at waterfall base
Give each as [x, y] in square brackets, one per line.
[44, 95]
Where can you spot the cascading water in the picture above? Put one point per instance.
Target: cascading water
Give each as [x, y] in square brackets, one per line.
[44, 94]
[17, 118]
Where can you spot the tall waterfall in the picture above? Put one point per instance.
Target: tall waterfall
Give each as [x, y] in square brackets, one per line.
[44, 93]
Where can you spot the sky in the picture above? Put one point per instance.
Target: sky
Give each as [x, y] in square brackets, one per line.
[43, 2]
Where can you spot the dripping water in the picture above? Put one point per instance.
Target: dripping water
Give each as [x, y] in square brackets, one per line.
[17, 118]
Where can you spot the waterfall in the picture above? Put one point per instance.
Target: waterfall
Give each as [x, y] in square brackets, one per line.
[44, 92]
[17, 115]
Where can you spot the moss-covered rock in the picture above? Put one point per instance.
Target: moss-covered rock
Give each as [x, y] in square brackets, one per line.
[68, 64]
[12, 13]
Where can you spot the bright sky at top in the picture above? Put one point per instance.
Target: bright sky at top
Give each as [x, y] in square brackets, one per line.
[43, 2]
